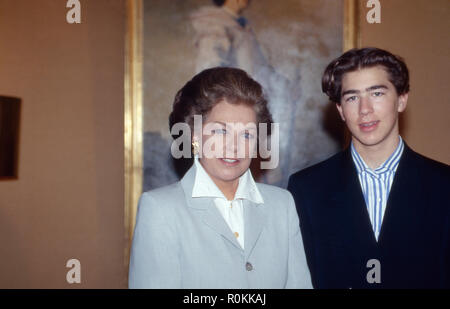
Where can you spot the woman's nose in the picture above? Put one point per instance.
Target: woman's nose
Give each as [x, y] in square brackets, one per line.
[231, 145]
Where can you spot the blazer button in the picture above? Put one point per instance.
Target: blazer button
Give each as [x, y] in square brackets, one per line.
[248, 266]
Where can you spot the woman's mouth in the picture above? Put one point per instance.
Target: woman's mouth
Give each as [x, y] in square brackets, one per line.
[229, 162]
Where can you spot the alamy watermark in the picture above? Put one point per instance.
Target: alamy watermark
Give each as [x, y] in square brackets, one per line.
[374, 14]
[74, 274]
[228, 140]
[73, 16]
[374, 274]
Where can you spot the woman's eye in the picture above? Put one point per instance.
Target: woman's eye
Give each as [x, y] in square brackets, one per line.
[248, 135]
[220, 131]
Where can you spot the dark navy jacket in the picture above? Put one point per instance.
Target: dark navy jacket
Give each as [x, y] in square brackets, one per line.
[414, 243]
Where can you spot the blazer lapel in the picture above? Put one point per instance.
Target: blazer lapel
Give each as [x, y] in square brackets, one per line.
[352, 213]
[254, 221]
[206, 209]
[215, 221]
[402, 216]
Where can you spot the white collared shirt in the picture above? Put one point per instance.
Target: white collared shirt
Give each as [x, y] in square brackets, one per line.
[231, 211]
[233, 14]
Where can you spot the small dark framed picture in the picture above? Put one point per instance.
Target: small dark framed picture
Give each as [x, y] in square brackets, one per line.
[9, 137]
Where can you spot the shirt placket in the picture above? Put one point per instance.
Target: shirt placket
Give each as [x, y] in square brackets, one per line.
[374, 199]
[235, 222]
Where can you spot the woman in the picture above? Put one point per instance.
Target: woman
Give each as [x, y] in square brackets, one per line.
[217, 228]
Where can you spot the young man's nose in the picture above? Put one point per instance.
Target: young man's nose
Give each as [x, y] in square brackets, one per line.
[365, 106]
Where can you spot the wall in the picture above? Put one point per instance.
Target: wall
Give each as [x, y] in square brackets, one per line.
[68, 200]
[417, 30]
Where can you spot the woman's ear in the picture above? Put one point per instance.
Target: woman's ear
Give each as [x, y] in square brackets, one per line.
[195, 145]
[195, 139]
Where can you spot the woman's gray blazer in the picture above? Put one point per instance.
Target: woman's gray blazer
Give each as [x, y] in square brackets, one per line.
[184, 242]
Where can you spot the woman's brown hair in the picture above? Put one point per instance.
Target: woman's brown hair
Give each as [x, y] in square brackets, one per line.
[211, 86]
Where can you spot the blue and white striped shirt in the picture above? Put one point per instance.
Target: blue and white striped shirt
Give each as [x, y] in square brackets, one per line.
[376, 184]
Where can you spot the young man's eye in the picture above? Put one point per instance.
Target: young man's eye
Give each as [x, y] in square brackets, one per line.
[351, 99]
[378, 94]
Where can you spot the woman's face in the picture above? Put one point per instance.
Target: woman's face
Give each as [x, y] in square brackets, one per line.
[229, 140]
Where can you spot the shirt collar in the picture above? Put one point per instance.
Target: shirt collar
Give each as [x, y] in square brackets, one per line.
[230, 12]
[205, 187]
[241, 20]
[390, 164]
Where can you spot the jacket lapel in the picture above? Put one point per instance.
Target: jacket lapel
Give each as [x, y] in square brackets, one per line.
[402, 216]
[352, 213]
[215, 221]
[206, 209]
[254, 221]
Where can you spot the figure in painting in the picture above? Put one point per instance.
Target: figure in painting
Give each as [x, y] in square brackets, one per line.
[223, 37]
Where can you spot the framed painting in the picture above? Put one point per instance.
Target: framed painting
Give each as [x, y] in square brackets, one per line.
[285, 47]
[9, 137]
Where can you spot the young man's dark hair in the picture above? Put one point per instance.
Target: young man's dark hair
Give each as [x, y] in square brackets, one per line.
[356, 59]
[376, 215]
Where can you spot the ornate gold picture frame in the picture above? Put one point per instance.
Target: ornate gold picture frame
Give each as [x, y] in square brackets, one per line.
[133, 118]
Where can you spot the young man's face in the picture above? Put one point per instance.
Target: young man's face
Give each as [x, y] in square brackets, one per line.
[370, 106]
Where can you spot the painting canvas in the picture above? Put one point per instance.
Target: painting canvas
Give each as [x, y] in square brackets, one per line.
[9, 137]
[284, 45]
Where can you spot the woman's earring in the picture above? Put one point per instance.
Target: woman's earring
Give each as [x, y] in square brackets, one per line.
[195, 148]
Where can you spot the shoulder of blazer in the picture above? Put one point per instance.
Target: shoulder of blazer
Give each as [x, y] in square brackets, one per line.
[278, 202]
[428, 171]
[426, 164]
[325, 171]
[270, 192]
[168, 196]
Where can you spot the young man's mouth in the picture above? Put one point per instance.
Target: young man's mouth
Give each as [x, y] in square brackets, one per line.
[369, 126]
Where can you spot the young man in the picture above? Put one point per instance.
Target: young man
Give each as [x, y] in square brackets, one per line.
[376, 215]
